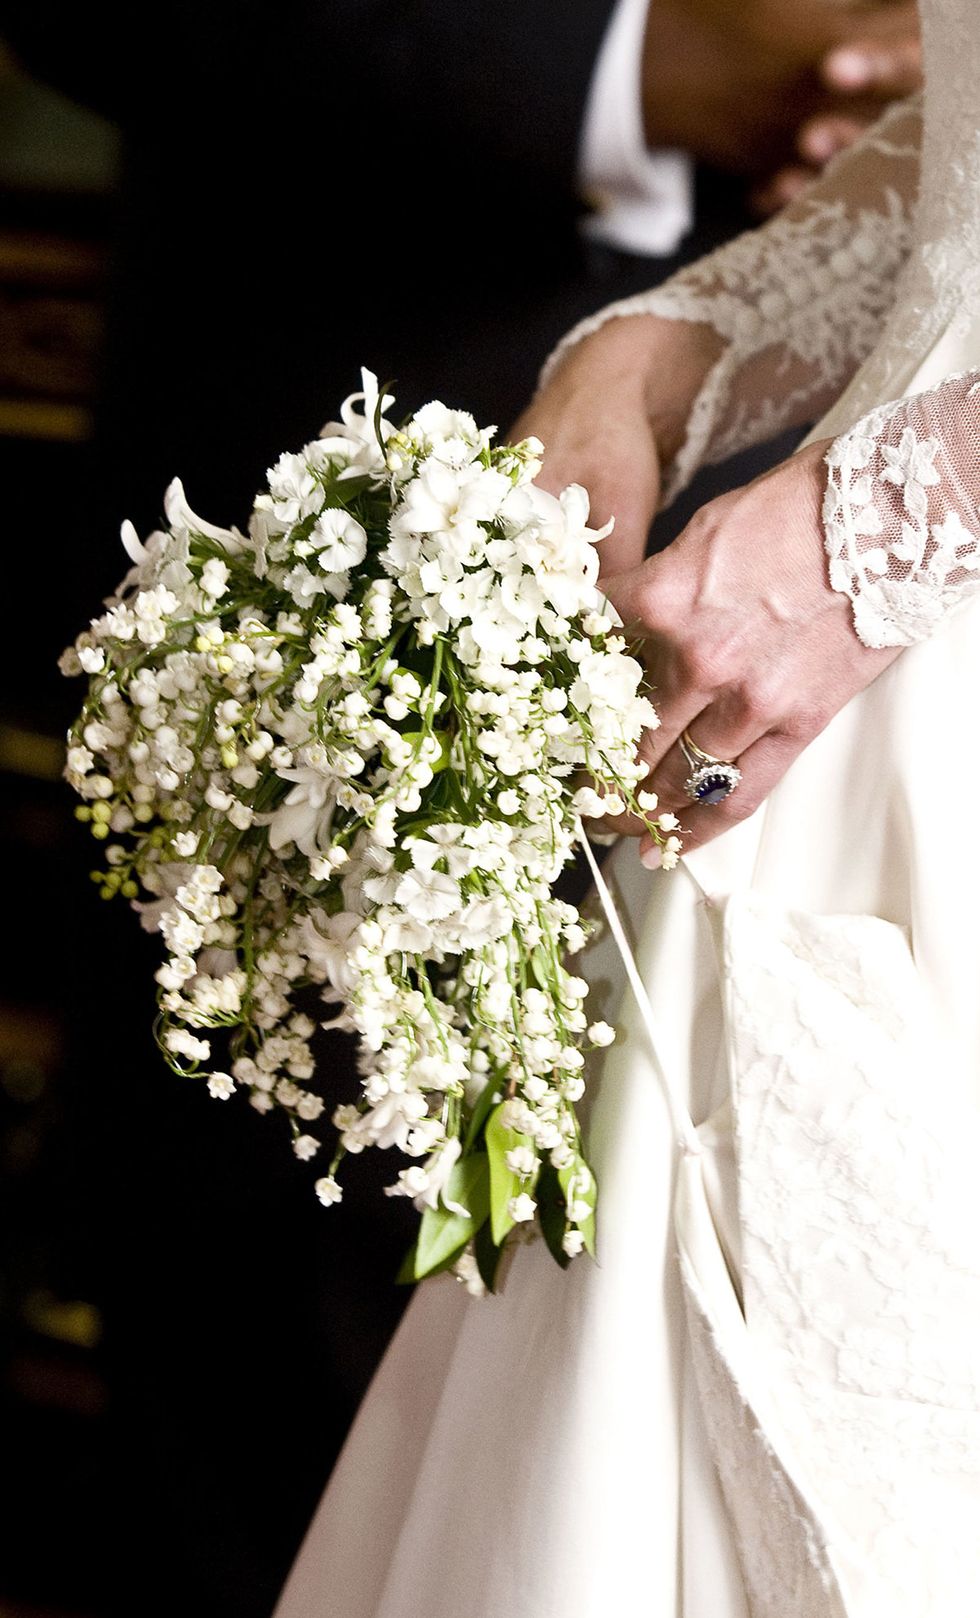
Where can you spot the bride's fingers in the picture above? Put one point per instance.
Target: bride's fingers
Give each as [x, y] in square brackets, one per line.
[722, 728]
[762, 766]
[677, 697]
[725, 728]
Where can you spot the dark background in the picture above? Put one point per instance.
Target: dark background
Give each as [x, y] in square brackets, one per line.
[189, 280]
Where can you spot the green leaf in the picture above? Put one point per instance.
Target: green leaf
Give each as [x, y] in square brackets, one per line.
[488, 1256]
[406, 1273]
[541, 969]
[504, 1183]
[578, 1184]
[551, 1213]
[443, 1233]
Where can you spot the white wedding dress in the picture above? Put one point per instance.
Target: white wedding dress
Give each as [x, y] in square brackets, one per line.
[763, 1401]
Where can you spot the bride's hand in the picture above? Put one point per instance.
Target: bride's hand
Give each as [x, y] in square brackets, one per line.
[748, 647]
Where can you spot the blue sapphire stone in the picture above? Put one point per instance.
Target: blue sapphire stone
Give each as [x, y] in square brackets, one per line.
[714, 789]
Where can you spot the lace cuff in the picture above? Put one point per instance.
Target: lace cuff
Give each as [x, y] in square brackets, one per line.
[800, 302]
[902, 512]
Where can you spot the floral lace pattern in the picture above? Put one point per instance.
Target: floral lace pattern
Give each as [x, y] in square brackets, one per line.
[800, 302]
[861, 1276]
[902, 512]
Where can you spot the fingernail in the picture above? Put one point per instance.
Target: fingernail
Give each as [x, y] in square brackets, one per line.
[650, 857]
[850, 68]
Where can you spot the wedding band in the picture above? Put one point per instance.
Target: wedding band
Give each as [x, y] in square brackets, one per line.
[711, 780]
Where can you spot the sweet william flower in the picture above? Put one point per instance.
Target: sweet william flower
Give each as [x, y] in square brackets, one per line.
[428, 895]
[339, 540]
[214, 577]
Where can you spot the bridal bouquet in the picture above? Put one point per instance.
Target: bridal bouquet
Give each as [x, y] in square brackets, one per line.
[340, 758]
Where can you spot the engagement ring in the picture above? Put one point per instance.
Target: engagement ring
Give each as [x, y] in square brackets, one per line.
[711, 780]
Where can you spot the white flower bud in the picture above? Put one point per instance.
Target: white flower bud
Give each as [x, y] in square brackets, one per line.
[522, 1208]
[521, 1160]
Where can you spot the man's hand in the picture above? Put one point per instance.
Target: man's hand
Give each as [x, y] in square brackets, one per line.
[772, 89]
[613, 413]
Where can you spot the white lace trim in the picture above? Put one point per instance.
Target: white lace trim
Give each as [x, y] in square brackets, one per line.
[902, 512]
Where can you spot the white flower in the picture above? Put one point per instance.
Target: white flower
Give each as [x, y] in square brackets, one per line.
[182, 519]
[80, 760]
[181, 1043]
[443, 500]
[522, 1208]
[521, 1160]
[214, 577]
[572, 1243]
[328, 1190]
[339, 539]
[353, 439]
[305, 1147]
[309, 1107]
[600, 1033]
[426, 1184]
[670, 853]
[589, 803]
[305, 815]
[221, 1086]
[428, 895]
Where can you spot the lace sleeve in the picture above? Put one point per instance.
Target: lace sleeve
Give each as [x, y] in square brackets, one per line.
[902, 511]
[799, 302]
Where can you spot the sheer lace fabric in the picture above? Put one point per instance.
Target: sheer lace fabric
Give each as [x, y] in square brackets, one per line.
[902, 512]
[800, 303]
